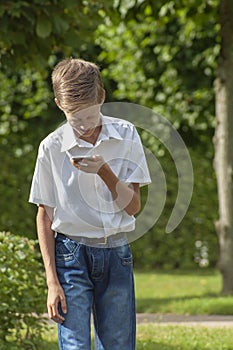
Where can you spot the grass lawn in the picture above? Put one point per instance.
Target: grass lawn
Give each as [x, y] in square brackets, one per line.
[181, 292]
[155, 337]
[158, 337]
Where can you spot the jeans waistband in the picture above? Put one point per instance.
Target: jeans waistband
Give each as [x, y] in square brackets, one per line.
[116, 240]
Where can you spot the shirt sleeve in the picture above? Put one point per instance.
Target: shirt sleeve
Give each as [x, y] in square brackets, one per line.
[42, 187]
[137, 171]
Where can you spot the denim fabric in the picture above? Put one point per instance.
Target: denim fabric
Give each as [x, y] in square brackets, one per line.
[98, 280]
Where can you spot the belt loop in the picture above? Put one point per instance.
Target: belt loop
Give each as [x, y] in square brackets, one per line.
[105, 241]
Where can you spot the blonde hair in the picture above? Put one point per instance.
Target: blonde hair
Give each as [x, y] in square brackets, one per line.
[77, 84]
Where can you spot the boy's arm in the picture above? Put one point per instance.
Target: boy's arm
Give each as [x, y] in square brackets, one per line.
[127, 196]
[47, 247]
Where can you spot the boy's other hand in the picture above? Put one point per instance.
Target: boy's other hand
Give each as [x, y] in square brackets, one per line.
[56, 296]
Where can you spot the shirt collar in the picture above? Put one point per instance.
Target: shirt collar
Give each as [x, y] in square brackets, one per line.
[108, 131]
[68, 138]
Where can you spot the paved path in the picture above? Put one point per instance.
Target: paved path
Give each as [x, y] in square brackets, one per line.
[182, 320]
[188, 320]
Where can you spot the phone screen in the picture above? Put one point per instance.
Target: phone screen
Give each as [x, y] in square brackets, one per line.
[80, 158]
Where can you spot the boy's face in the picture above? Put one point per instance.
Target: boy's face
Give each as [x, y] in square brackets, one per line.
[85, 121]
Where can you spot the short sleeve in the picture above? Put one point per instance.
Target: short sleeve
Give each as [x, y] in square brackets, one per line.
[137, 171]
[42, 187]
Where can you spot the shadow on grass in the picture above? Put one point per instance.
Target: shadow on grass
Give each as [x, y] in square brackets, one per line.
[212, 304]
[48, 345]
[182, 272]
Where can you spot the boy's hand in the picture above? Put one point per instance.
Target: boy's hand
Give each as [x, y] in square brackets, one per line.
[55, 296]
[89, 165]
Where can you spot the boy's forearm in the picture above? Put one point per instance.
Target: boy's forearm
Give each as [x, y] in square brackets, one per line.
[126, 197]
[47, 245]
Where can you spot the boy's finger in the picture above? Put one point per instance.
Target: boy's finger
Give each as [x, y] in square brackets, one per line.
[56, 316]
[50, 312]
[63, 305]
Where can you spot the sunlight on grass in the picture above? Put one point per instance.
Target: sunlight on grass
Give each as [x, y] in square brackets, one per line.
[157, 337]
[196, 292]
[174, 284]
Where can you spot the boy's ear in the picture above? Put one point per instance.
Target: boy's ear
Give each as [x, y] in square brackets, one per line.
[57, 103]
[103, 98]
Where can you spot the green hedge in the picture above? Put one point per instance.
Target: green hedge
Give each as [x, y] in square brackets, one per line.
[23, 293]
[194, 242]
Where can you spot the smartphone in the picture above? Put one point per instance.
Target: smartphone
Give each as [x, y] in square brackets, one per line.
[80, 158]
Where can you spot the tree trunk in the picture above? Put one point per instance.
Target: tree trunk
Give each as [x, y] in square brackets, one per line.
[223, 142]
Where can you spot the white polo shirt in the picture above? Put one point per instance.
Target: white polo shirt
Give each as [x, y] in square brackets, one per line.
[82, 204]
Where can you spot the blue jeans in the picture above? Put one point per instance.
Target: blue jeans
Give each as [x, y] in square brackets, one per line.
[98, 280]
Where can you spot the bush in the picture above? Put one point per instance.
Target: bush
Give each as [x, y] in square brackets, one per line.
[23, 293]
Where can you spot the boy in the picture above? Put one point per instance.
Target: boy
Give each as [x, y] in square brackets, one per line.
[86, 206]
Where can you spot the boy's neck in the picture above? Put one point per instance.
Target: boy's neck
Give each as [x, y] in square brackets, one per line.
[93, 137]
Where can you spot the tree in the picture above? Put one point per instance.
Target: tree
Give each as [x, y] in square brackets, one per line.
[31, 30]
[223, 141]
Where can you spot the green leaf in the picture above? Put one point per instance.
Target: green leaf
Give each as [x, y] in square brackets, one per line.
[43, 27]
[60, 24]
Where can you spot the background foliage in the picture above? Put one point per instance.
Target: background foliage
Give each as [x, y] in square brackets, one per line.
[23, 292]
[32, 30]
[159, 54]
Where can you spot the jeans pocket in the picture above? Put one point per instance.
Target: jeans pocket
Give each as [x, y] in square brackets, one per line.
[65, 249]
[125, 254]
